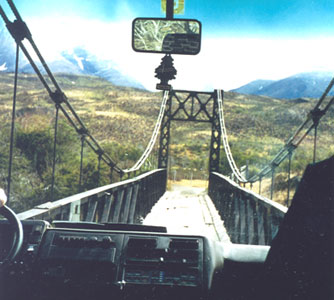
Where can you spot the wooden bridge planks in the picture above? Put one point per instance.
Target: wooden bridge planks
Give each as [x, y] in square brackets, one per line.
[187, 213]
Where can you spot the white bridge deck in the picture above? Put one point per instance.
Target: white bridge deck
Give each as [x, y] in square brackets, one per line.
[188, 211]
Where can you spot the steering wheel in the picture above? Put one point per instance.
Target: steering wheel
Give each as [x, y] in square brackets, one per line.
[16, 226]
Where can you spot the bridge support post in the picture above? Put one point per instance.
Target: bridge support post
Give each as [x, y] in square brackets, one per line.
[81, 161]
[272, 182]
[54, 153]
[289, 179]
[215, 137]
[165, 136]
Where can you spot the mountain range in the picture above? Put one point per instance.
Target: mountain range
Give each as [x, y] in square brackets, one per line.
[303, 85]
[77, 61]
[80, 61]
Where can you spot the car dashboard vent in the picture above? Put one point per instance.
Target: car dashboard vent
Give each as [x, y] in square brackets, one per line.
[163, 260]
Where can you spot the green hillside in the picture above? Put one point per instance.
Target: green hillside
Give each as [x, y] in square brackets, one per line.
[122, 120]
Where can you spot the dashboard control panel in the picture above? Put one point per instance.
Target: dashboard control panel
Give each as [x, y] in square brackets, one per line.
[120, 258]
[163, 260]
[80, 246]
[91, 261]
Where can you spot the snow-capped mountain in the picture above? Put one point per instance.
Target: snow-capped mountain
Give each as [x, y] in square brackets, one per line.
[7, 51]
[75, 61]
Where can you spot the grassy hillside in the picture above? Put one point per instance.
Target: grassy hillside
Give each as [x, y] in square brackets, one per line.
[122, 120]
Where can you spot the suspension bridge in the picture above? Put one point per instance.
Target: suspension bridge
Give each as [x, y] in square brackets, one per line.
[120, 201]
[229, 212]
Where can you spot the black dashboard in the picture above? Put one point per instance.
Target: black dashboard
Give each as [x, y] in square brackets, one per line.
[108, 261]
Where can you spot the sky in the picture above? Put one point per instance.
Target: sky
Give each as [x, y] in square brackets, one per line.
[242, 40]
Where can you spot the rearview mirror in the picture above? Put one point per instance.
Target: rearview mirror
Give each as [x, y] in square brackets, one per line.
[176, 36]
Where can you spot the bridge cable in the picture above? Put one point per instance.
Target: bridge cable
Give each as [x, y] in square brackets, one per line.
[295, 140]
[18, 26]
[154, 136]
[289, 180]
[81, 160]
[227, 148]
[314, 115]
[54, 153]
[99, 169]
[20, 31]
[12, 132]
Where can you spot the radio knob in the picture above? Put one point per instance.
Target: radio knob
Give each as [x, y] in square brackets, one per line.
[92, 242]
[107, 242]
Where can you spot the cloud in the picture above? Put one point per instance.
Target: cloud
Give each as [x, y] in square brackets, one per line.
[105, 39]
[230, 63]
[222, 63]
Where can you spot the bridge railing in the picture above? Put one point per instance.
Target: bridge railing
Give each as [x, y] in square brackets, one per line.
[124, 202]
[248, 217]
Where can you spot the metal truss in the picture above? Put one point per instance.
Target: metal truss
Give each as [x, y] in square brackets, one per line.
[191, 106]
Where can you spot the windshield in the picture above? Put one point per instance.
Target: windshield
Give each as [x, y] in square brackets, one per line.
[277, 49]
[148, 154]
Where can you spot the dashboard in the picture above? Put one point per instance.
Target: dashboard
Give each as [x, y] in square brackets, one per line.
[67, 260]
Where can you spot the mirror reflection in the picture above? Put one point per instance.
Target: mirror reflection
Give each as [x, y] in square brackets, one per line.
[177, 36]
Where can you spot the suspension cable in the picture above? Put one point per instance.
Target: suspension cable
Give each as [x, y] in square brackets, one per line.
[312, 120]
[54, 153]
[18, 27]
[314, 116]
[154, 136]
[20, 31]
[227, 148]
[98, 169]
[81, 160]
[12, 132]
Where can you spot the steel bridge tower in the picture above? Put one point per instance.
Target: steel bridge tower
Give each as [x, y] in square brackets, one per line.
[191, 106]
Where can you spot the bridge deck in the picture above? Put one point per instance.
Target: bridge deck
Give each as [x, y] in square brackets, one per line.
[188, 211]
